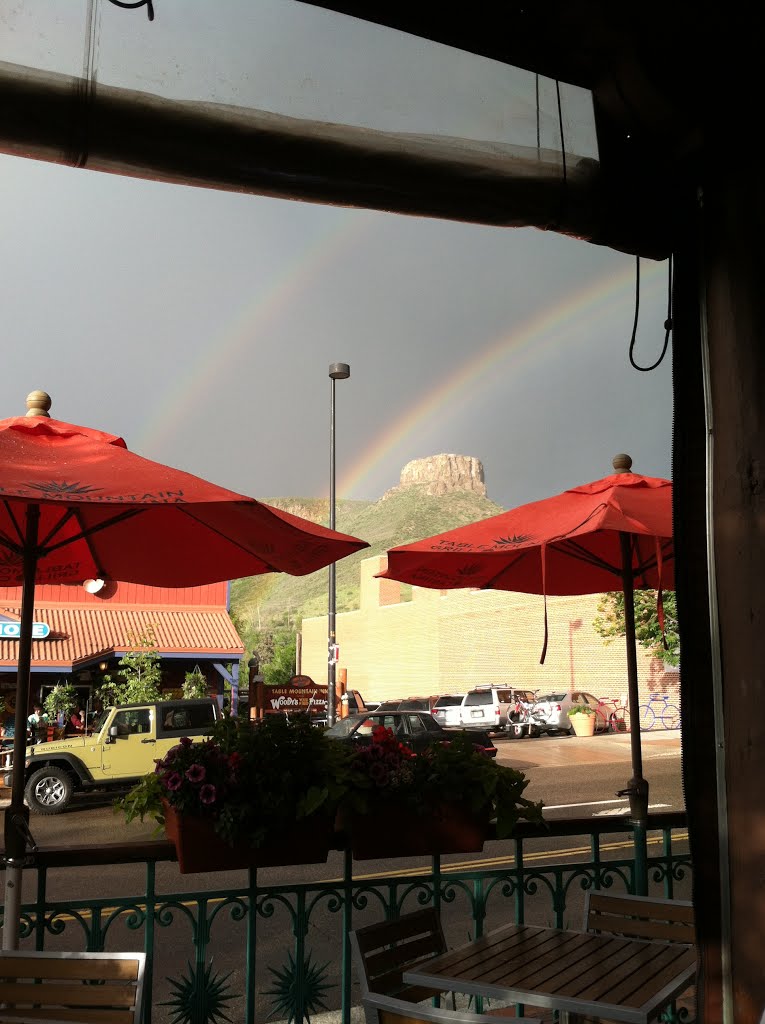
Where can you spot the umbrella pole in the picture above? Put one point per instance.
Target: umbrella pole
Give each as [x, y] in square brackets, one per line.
[637, 787]
[17, 814]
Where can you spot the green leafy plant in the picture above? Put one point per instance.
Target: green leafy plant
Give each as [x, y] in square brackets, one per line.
[580, 709]
[62, 699]
[252, 780]
[665, 645]
[195, 684]
[139, 675]
[455, 772]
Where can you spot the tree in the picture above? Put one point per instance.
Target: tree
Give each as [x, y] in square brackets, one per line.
[281, 668]
[139, 675]
[609, 623]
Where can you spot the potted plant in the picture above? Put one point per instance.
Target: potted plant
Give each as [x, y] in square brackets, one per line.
[583, 719]
[399, 803]
[59, 704]
[253, 794]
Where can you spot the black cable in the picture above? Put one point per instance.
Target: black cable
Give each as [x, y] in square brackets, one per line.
[134, 4]
[667, 322]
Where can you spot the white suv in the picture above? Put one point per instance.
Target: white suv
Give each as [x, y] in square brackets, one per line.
[487, 707]
[446, 710]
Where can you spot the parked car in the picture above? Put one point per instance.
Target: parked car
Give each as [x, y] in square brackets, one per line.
[550, 712]
[122, 744]
[417, 729]
[408, 704]
[489, 707]
[447, 709]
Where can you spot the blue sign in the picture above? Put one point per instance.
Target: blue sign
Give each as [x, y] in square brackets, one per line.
[12, 630]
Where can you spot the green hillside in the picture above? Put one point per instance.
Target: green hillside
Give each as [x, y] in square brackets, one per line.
[400, 517]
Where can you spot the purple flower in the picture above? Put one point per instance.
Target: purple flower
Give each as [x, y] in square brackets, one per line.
[207, 794]
[173, 781]
[196, 773]
[378, 773]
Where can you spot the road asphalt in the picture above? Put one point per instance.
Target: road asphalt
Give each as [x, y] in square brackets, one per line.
[559, 751]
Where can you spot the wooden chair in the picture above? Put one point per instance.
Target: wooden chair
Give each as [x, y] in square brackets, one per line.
[387, 1010]
[84, 988]
[639, 917]
[382, 952]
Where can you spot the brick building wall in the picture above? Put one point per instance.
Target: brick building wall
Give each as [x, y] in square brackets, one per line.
[444, 641]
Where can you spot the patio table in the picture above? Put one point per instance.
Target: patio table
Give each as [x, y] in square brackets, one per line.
[616, 979]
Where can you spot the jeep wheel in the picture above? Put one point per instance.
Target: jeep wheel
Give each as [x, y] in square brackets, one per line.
[48, 791]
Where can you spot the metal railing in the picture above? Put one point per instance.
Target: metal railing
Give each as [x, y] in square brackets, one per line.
[209, 948]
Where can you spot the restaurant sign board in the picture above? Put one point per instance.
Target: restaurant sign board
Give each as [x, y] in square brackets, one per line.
[300, 695]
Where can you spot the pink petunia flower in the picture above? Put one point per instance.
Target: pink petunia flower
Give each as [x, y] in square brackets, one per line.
[173, 781]
[207, 794]
[196, 773]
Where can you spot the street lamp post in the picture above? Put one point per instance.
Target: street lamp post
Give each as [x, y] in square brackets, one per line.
[337, 371]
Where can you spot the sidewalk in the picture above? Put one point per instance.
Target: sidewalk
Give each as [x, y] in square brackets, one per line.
[562, 751]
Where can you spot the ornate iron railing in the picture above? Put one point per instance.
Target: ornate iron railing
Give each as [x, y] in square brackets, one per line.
[208, 952]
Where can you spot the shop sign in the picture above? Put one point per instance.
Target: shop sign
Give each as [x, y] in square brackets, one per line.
[12, 630]
[301, 694]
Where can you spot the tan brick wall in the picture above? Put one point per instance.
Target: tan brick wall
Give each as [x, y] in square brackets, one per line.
[444, 641]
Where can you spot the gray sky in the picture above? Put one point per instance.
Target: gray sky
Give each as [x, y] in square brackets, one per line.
[199, 325]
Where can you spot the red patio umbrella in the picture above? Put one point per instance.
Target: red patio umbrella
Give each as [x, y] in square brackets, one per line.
[614, 532]
[75, 504]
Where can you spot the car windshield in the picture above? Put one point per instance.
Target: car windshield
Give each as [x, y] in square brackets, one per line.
[551, 698]
[449, 700]
[479, 697]
[98, 721]
[341, 729]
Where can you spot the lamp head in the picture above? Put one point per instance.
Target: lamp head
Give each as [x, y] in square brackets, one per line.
[339, 371]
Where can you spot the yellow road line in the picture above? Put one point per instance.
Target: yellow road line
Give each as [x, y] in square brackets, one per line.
[474, 865]
[490, 862]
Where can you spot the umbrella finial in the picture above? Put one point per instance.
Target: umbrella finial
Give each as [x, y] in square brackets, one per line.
[622, 463]
[38, 403]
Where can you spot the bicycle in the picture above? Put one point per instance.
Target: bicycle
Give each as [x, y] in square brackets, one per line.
[669, 714]
[618, 715]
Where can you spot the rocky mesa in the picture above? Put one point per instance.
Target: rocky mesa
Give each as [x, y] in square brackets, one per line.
[442, 474]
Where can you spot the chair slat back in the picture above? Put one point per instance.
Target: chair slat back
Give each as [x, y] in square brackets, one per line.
[640, 917]
[385, 1010]
[382, 952]
[91, 988]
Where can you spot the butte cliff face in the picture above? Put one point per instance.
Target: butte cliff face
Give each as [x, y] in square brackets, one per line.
[442, 474]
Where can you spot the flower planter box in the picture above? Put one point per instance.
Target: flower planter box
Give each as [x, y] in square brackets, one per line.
[395, 831]
[200, 848]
